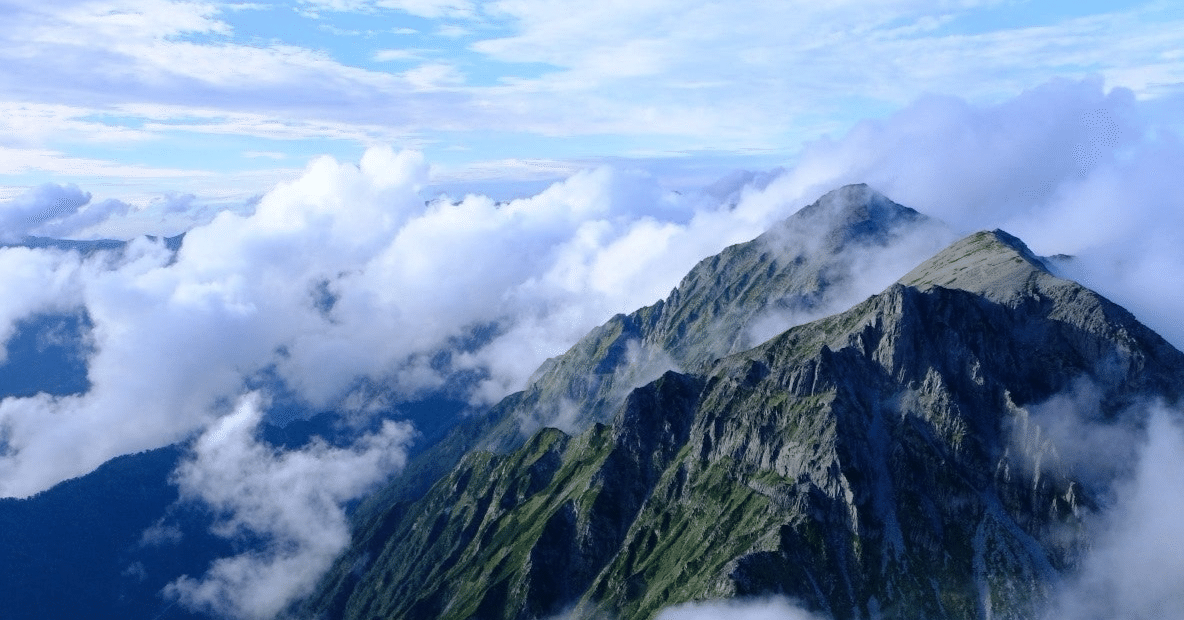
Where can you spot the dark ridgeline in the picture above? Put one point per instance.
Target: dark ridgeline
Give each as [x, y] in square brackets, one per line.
[880, 461]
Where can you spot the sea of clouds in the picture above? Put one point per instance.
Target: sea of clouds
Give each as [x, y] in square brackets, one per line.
[353, 275]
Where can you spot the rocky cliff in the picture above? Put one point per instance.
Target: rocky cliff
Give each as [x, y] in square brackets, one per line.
[879, 462]
[813, 262]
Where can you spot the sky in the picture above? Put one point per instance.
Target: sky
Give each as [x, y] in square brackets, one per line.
[587, 158]
[181, 109]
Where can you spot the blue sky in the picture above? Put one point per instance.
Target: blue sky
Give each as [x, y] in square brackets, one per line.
[145, 101]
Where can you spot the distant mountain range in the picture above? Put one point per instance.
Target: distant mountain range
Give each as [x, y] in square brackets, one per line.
[768, 428]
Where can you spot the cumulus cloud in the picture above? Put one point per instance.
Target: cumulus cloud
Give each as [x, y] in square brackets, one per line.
[36, 282]
[347, 273]
[774, 608]
[1135, 570]
[1070, 167]
[292, 501]
[54, 210]
[349, 263]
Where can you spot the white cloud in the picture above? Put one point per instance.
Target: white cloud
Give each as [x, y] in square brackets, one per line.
[775, 608]
[452, 31]
[421, 8]
[699, 75]
[1134, 570]
[35, 282]
[164, 52]
[777, 65]
[265, 154]
[507, 169]
[1069, 435]
[25, 214]
[27, 125]
[433, 76]
[293, 500]
[17, 161]
[238, 299]
[1068, 167]
[173, 338]
[387, 55]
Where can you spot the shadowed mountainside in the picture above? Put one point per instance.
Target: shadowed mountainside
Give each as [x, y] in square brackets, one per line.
[880, 461]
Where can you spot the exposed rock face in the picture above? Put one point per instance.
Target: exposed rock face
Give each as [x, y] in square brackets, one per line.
[802, 267]
[866, 464]
[805, 266]
[525, 534]
[879, 462]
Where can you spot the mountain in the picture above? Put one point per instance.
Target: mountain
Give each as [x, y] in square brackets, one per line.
[84, 548]
[878, 462]
[813, 263]
[802, 265]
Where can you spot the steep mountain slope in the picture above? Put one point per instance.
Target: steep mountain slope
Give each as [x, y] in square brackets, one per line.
[815, 262]
[805, 265]
[84, 548]
[879, 462]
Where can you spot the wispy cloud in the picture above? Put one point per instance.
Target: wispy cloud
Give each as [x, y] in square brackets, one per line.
[701, 75]
[389, 55]
[758, 609]
[292, 500]
[421, 8]
[1133, 572]
[17, 161]
[265, 154]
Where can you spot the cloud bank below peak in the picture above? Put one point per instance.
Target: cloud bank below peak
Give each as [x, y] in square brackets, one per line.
[347, 256]
[350, 275]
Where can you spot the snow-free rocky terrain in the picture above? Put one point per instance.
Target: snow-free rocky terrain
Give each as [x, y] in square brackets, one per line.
[880, 462]
[796, 418]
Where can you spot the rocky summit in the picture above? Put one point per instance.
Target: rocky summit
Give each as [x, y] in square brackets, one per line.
[880, 462]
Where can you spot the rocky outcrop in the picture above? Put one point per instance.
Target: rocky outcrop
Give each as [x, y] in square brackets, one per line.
[867, 464]
[521, 535]
[879, 462]
[802, 267]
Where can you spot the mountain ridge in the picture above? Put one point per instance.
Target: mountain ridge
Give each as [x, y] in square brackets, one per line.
[837, 463]
[700, 320]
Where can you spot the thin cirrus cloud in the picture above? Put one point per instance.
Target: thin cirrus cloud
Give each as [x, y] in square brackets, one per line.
[732, 76]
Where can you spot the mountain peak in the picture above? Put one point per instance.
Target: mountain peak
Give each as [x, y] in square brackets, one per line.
[851, 212]
[992, 263]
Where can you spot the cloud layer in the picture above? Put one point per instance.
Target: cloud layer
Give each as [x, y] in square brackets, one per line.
[157, 96]
[292, 500]
[345, 274]
[350, 263]
[1135, 572]
[351, 276]
[760, 609]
